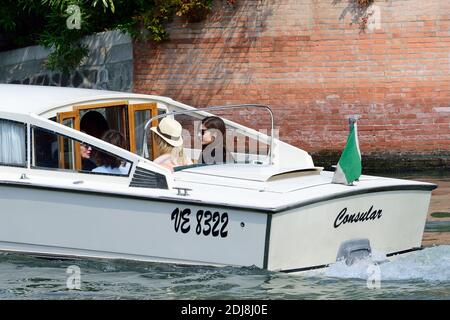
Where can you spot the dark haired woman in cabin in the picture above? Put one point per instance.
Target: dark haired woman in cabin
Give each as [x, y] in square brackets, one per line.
[214, 149]
[109, 163]
[93, 123]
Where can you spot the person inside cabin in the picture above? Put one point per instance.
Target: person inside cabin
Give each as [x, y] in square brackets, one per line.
[109, 163]
[85, 152]
[93, 123]
[169, 142]
[214, 149]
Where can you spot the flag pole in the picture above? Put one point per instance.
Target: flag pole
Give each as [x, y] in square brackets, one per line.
[351, 122]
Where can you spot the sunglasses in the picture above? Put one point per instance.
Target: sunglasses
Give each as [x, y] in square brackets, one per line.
[85, 145]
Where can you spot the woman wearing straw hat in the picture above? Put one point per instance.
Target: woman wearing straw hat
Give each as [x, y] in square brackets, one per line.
[169, 142]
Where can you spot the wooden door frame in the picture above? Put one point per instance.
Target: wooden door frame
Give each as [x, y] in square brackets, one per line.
[129, 131]
[132, 108]
[76, 125]
[100, 105]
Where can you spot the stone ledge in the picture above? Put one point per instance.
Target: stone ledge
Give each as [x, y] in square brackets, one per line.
[390, 162]
[108, 40]
[22, 55]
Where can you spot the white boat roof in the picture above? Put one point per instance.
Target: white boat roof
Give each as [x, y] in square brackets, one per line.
[33, 99]
[45, 101]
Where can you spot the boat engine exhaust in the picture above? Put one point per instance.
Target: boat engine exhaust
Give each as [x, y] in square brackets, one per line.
[354, 250]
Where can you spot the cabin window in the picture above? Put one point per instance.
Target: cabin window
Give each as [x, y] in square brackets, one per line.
[140, 119]
[128, 119]
[96, 122]
[138, 115]
[13, 143]
[97, 119]
[58, 152]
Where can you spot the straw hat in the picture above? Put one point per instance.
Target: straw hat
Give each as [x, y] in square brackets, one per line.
[170, 131]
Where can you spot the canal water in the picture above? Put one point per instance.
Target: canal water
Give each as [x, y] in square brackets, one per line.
[422, 274]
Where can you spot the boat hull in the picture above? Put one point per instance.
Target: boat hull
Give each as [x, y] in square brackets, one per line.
[82, 224]
[312, 236]
[63, 223]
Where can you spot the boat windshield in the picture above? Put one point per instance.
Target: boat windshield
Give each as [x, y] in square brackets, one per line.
[211, 139]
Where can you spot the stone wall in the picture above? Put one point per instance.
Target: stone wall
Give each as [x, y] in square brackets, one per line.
[311, 61]
[108, 66]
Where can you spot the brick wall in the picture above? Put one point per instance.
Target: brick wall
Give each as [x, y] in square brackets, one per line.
[311, 62]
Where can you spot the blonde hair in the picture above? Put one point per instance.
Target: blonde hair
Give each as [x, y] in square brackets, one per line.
[176, 153]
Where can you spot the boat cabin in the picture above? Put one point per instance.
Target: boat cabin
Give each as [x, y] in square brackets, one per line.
[61, 129]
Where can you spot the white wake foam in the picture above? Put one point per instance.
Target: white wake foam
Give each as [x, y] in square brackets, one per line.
[429, 264]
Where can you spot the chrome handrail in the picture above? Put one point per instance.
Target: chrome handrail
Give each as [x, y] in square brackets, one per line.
[212, 108]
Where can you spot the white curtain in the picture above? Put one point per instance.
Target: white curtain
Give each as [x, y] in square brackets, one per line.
[12, 143]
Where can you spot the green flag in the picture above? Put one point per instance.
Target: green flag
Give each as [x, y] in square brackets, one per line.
[349, 166]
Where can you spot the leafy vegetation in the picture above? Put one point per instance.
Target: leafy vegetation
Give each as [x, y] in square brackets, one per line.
[61, 24]
[45, 22]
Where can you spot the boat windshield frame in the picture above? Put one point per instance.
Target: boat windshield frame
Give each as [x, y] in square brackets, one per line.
[213, 108]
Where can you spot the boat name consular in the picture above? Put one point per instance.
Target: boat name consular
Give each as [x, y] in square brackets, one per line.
[343, 217]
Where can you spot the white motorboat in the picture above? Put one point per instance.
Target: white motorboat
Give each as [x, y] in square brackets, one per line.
[274, 210]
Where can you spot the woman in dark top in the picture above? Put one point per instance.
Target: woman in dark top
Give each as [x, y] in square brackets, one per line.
[214, 149]
[94, 124]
